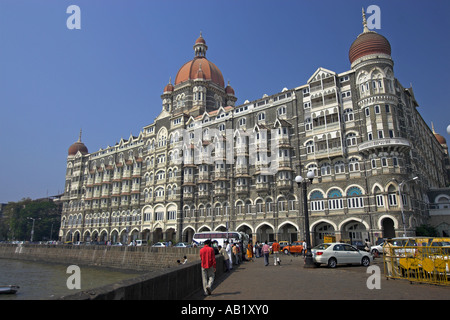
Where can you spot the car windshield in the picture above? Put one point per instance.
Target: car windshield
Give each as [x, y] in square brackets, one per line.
[322, 246]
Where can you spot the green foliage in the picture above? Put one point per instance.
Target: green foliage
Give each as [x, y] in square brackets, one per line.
[426, 230]
[16, 223]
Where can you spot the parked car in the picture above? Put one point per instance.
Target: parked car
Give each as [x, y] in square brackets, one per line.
[283, 244]
[294, 247]
[160, 245]
[378, 248]
[333, 254]
[183, 245]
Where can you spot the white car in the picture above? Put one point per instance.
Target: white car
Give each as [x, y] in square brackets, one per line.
[333, 254]
[159, 245]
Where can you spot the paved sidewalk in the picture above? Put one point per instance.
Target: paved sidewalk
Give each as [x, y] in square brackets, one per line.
[290, 281]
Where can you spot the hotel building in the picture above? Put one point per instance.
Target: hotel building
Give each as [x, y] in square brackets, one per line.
[206, 163]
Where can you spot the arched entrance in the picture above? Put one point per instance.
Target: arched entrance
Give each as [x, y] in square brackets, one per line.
[288, 232]
[322, 230]
[265, 233]
[388, 228]
[355, 233]
[188, 234]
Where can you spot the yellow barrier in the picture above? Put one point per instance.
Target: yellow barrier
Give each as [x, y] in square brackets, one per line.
[417, 264]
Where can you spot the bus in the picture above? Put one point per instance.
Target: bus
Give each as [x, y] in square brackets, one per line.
[220, 237]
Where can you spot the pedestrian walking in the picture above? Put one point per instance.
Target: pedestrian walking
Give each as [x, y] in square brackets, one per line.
[304, 245]
[236, 254]
[224, 253]
[208, 259]
[265, 251]
[229, 252]
[276, 250]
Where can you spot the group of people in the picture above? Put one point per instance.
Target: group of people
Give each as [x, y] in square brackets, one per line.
[233, 253]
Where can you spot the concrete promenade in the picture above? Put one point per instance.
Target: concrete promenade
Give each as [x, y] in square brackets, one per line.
[290, 281]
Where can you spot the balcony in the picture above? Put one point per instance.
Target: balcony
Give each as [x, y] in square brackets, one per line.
[388, 144]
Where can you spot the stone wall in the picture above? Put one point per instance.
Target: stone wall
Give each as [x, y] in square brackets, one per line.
[133, 258]
[176, 283]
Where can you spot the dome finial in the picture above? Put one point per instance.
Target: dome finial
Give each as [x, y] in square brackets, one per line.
[79, 137]
[432, 127]
[200, 46]
[366, 29]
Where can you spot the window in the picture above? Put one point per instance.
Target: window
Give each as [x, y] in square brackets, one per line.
[391, 133]
[377, 109]
[261, 116]
[308, 124]
[350, 139]
[282, 110]
[369, 136]
[316, 201]
[310, 147]
[392, 198]
[380, 200]
[380, 134]
[353, 165]
[307, 105]
[325, 169]
[335, 201]
[159, 215]
[354, 198]
[242, 122]
[395, 161]
[339, 167]
[374, 163]
[367, 111]
[384, 162]
[388, 109]
[348, 115]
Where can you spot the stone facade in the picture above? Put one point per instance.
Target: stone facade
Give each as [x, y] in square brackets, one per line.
[207, 164]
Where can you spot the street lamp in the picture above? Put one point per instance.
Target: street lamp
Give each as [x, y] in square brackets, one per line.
[400, 187]
[302, 182]
[32, 228]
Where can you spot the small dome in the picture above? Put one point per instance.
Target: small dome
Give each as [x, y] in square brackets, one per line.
[78, 146]
[368, 42]
[440, 138]
[229, 89]
[168, 87]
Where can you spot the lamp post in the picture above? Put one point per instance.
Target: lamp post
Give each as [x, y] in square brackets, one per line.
[32, 228]
[400, 186]
[302, 182]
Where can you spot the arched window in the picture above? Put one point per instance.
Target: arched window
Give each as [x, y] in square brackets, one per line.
[316, 201]
[335, 201]
[354, 198]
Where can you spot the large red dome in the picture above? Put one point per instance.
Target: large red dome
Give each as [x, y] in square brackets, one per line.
[200, 67]
[368, 43]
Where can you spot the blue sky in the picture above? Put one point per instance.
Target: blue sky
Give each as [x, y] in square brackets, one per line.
[107, 77]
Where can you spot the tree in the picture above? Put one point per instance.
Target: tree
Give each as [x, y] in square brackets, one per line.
[425, 230]
[17, 225]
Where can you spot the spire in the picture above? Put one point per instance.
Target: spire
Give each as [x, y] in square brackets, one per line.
[200, 46]
[79, 137]
[366, 29]
[432, 127]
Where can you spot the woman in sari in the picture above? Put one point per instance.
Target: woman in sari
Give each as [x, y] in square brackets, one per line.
[250, 251]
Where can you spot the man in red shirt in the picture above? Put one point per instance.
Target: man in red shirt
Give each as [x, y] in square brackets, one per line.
[208, 266]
